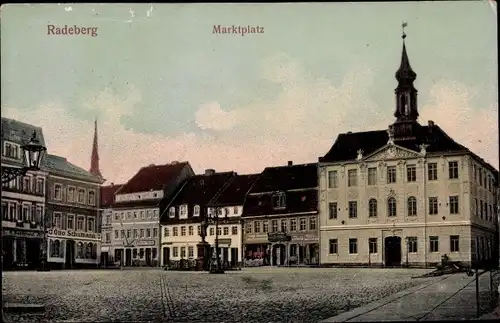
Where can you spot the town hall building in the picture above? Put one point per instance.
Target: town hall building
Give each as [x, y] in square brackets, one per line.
[407, 195]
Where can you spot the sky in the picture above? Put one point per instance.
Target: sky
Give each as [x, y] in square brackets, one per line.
[164, 87]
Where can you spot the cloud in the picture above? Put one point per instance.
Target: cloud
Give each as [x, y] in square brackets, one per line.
[299, 124]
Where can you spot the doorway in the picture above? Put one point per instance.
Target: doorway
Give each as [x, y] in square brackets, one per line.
[281, 258]
[148, 256]
[104, 259]
[8, 252]
[128, 257]
[70, 253]
[33, 252]
[166, 255]
[234, 257]
[225, 255]
[392, 251]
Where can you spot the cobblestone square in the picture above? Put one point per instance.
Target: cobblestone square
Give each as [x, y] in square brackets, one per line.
[250, 295]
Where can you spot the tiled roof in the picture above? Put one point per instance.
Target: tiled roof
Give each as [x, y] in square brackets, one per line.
[20, 133]
[108, 193]
[153, 177]
[347, 145]
[286, 178]
[58, 165]
[235, 191]
[197, 190]
[296, 202]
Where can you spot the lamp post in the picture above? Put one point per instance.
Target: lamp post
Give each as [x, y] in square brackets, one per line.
[33, 152]
[214, 218]
[43, 249]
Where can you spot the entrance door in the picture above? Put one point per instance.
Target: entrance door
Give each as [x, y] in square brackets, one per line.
[225, 255]
[70, 253]
[8, 252]
[104, 259]
[33, 252]
[234, 256]
[392, 251]
[128, 257]
[119, 256]
[148, 256]
[166, 255]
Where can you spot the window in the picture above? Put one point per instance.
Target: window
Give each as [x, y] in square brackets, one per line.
[122, 234]
[183, 230]
[352, 177]
[71, 194]
[391, 174]
[226, 231]
[454, 243]
[135, 233]
[71, 219]
[332, 213]
[248, 227]
[191, 230]
[11, 150]
[141, 233]
[219, 231]
[372, 208]
[148, 233]
[26, 183]
[265, 226]
[183, 252]
[353, 246]
[57, 220]
[40, 186]
[412, 206]
[293, 224]
[26, 214]
[453, 204]
[411, 173]
[274, 225]
[129, 215]
[279, 200]
[129, 233]
[198, 230]
[453, 169]
[284, 225]
[183, 212]
[235, 210]
[166, 232]
[175, 252]
[312, 223]
[116, 234]
[155, 232]
[81, 195]
[481, 174]
[333, 246]
[79, 223]
[234, 230]
[412, 244]
[58, 192]
[90, 224]
[91, 197]
[332, 179]
[171, 212]
[391, 207]
[135, 215]
[372, 176]
[190, 252]
[372, 245]
[353, 209]
[480, 210]
[433, 205]
[256, 227]
[134, 253]
[434, 244]
[5, 211]
[303, 224]
[196, 210]
[175, 231]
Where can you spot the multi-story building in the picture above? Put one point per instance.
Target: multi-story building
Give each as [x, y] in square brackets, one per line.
[280, 216]
[107, 199]
[23, 200]
[228, 205]
[135, 222]
[73, 217]
[183, 214]
[405, 196]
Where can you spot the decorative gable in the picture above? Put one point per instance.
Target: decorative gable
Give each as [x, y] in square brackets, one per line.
[392, 152]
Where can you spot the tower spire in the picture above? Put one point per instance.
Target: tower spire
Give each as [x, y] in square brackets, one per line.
[406, 96]
[94, 159]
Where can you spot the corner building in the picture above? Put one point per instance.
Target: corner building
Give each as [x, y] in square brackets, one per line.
[405, 196]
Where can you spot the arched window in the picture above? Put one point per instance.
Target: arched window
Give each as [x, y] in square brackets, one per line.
[79, 250]
[372, 208]
[51, 248]
[89, 251]
[412, 206]
[391, 207]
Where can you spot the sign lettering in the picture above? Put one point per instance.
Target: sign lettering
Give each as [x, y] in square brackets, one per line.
[75, 234]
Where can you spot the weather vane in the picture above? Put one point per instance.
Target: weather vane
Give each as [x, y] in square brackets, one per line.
[404, 25]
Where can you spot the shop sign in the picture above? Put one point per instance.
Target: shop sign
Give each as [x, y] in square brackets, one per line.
[278, 237]
[21, 233]
[225, 241]
[146, 243]
[73, 234]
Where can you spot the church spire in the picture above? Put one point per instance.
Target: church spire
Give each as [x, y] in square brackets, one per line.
[406, 96]
[94, 159]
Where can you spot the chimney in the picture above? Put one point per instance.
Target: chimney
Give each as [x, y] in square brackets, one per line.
[112, 184]
[290, 163]
[431, 123]
[209, 171]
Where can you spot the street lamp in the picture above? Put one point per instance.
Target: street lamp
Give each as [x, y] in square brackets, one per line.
[43, 247]
[33, 152]
[210, 219]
